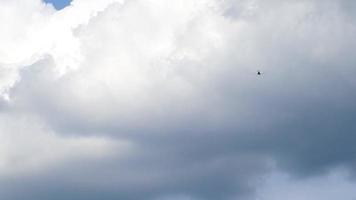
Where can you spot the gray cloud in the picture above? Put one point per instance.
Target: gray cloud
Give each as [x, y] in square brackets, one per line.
[184, 92]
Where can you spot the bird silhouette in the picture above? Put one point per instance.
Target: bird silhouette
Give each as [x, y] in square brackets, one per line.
[259, 73]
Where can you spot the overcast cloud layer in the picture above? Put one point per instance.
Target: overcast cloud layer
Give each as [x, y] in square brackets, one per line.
[160, 100]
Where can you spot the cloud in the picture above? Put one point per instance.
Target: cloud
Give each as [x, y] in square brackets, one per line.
[27, 145]
[34, 34]
[160, 100]
[330, 186]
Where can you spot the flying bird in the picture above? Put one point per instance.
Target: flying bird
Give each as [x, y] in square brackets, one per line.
[259, 73]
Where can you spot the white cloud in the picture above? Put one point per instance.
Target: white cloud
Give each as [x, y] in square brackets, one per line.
[35, 30]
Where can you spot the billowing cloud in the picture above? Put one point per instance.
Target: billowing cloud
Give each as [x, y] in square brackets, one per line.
[150, 99]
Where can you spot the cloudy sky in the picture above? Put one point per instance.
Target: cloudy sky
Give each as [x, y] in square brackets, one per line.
[160, 100]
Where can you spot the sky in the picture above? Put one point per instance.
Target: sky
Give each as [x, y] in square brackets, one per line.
[59, 4]
[160, 100]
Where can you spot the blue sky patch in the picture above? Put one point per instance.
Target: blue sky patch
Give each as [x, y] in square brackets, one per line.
[59, 4]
